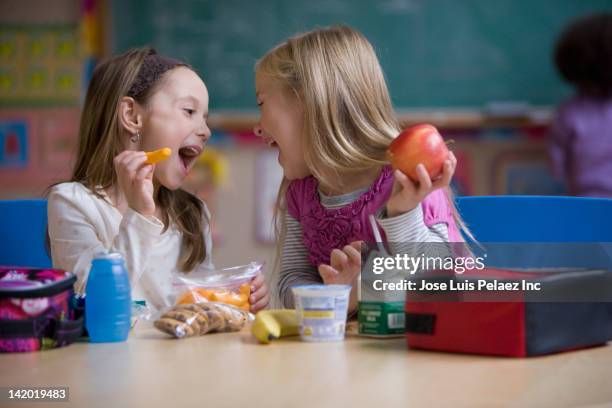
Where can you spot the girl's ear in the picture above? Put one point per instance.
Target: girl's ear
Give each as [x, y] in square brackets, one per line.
[130, 115]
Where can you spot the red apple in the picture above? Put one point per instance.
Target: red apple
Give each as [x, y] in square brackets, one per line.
[418, 144]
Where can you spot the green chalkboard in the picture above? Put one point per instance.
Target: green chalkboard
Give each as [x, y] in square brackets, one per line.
[435, 53]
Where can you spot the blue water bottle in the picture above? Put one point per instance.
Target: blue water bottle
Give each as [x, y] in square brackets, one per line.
[108, 299]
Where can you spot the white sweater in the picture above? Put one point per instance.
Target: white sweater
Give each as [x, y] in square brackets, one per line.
[82, 225]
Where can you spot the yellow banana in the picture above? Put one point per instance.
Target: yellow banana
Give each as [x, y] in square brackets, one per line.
[158, 155]
[273, 324]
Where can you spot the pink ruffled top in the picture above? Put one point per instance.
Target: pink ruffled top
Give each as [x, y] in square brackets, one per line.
[325, 229]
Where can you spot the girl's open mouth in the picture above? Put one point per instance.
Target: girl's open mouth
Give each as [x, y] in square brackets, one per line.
[189, 154]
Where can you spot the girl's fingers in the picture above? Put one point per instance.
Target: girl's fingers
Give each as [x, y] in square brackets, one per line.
[453, 162]
[453, 159]
[424, 180]
[257, 294]
[327, 273]
[134, 162]
[144, 172]
[353, 254]
[447, 175]
[121, 156]
[126, 156]
[404, 181]
[357, 245]
[261, 303]
[257, 282]
[128, 163]
[149, 175]
[338, 260]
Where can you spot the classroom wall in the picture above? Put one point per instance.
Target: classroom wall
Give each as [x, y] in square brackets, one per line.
[39, 11]
[40, 88]
[235, 212]
[51, 134]
[502, 156]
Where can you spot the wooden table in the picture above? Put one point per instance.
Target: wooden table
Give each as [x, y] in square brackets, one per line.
[231, 370]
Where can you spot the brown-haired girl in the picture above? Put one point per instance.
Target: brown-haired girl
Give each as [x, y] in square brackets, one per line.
[116, 201]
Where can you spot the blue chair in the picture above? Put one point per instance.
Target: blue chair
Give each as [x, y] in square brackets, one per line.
[581, 226]
[537, 218]
[23, 227]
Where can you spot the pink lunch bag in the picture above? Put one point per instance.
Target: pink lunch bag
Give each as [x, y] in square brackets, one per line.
[36, 310]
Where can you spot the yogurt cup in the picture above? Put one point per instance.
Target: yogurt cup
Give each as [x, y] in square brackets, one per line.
[321, 311]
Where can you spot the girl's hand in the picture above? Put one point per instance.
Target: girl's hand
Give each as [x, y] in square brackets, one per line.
[344, 269]
[407, 194]
[135, 179]
[260, 296]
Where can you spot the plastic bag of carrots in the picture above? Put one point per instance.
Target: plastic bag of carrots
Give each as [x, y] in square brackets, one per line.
[230, 285]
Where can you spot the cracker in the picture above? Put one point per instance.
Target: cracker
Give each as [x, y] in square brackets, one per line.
[201, 316]
[185, 316]
[174, 327]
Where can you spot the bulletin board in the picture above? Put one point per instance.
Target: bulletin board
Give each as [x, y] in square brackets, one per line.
[40, 65]
[37, 148]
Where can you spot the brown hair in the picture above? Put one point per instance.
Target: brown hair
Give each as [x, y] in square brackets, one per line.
[100, 140]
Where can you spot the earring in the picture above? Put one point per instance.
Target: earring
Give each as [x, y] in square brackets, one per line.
[135, 138]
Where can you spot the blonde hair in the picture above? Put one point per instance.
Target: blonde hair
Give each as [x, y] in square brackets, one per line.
[349, 120]
[100, 140]
[348, 117]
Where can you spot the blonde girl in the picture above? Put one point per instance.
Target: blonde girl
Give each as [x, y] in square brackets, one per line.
[325, 106]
